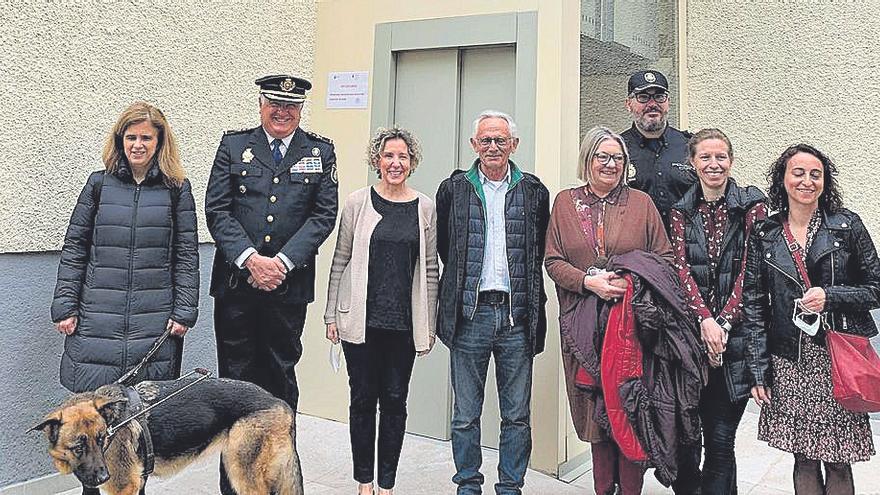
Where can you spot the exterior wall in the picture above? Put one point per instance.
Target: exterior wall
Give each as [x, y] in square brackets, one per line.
[67, 70]
[345, 43]
[774, 73]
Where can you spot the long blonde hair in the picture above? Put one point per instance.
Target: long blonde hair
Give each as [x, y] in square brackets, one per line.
[167, 154]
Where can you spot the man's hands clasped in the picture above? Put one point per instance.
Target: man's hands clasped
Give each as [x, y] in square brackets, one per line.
[266, 273]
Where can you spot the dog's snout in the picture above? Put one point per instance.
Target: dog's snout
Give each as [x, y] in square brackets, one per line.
[102, 475]
[94, 477]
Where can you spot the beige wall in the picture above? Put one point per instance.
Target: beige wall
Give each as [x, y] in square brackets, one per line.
[345, 43]
[774, 73]
[67, 70]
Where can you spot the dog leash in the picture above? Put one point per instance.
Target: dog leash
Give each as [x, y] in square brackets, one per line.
[124, 379]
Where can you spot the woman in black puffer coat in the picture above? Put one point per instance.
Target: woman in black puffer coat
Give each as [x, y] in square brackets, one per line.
[129, 266]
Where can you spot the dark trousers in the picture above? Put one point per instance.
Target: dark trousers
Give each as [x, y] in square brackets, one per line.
[610, 468]
[379, 371]
[720, 419]
[258, 340]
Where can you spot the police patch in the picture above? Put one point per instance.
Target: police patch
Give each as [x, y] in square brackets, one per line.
[333, 176]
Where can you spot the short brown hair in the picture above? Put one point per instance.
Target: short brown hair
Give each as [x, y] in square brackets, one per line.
[708, 133]
[383, 135]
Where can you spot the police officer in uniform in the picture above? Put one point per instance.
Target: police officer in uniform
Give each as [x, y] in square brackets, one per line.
[658, 152]
[271, 202]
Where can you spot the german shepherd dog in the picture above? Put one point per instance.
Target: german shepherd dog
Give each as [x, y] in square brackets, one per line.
[254, 431]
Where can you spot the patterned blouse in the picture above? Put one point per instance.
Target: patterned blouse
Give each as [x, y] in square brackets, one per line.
[715, 217]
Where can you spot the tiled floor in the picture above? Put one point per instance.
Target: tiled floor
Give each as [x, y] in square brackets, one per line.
[426, 467]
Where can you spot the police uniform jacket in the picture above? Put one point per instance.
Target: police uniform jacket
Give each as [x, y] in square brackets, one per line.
[660, 166]
[289, 208]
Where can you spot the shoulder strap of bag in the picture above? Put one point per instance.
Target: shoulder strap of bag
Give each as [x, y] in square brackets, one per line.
[796, 254]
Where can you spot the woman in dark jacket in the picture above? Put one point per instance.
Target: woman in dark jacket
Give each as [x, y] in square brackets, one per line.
[129, 266]
[709, 227]
[786, 350]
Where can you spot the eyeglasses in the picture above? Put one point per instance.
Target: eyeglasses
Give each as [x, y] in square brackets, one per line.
[277, 105]
[501, 142]
[646, 97]
[605, 158]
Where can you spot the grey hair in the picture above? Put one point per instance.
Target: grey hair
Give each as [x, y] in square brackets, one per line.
[495, 114]
[383, 135]
[592, 139]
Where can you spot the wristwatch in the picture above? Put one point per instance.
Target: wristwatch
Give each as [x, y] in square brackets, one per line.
[723, 323]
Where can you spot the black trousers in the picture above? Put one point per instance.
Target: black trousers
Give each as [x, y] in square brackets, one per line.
[720, 419]
[259, 341]
[379, 370]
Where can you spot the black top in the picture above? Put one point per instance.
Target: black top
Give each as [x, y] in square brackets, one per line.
[660, 167]
[394, 250]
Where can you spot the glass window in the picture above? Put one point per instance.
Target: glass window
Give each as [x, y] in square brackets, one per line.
[619, 37]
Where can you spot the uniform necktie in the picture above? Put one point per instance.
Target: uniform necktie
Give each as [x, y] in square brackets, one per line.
[276, 151]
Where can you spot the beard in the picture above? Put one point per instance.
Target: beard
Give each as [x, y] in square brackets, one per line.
[650, 124]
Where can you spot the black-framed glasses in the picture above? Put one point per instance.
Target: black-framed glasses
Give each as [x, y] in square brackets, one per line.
[501, 142]
[646, 97]
[605, 158]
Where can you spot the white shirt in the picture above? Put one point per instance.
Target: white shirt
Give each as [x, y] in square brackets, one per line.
[496, 273]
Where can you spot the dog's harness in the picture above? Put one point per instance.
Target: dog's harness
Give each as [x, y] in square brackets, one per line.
[145, 442]
[136, 410]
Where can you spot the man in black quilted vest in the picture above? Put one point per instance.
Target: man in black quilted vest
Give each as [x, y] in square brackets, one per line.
[491, 222]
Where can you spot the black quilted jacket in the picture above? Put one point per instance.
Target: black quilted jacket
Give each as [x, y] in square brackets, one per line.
[129, 263]
[842, 260]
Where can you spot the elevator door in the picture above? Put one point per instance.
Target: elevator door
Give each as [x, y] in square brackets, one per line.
[437, 95]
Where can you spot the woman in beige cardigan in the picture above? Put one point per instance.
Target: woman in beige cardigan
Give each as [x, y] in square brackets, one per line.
[382, 300]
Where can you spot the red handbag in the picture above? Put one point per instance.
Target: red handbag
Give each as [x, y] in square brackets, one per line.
[855, 366]
[855, 372]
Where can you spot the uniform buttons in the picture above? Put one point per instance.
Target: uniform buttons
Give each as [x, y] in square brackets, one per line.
[270, 219]
[766, 255]
[836, 244]
[272, 199]
[243, 173]
[662, 194]
[276, 180]
[242, 189]
[659, 173]
[843, 225]
[306, 180]
[268, 238]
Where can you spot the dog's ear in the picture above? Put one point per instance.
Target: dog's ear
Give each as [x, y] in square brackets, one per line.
[50, 424]
[110, 408]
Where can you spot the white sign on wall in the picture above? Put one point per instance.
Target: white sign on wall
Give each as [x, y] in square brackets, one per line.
[347, 90]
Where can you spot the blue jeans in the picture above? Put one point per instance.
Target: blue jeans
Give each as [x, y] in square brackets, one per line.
[489, 334]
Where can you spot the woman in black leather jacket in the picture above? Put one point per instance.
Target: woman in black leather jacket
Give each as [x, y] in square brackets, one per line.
[709, 228]
[791, 369]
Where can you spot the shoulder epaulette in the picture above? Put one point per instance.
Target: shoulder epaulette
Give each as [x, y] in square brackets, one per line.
[318, 137]
[687, 134]
[235, 131]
